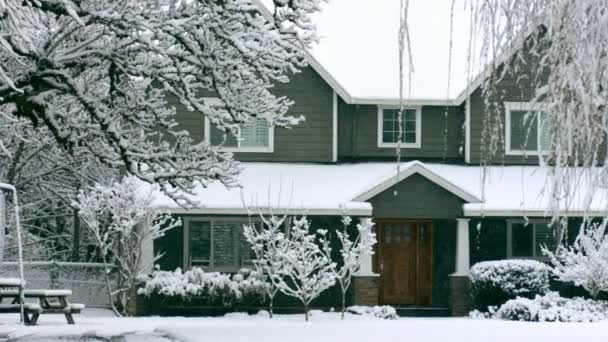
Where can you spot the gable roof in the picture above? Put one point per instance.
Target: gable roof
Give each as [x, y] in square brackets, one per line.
[412, 168]
[358, 55]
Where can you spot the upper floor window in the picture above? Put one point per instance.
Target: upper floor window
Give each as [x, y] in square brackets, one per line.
[527, 129]
[388, 127]
[525, 239]
[255, 136]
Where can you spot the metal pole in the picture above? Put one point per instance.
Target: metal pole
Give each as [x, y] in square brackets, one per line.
[19, 246]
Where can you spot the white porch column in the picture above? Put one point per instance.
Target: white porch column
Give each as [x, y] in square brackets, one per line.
[366, 260]
[462, 247]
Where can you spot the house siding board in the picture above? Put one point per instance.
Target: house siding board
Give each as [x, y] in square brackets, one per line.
[309, 141]
[517, 85]
[417, 198]
[444, 251]
[442, 137]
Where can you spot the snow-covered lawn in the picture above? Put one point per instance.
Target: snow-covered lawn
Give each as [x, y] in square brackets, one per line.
[292, 328]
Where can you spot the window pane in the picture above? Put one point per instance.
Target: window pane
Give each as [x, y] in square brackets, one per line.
[217, 136]
[255, 134]
[521, 240]
[200, 243]
[545, 132]
[245, 252]
[544, 237]
[225, 243]
[524, 130]
[390, 126]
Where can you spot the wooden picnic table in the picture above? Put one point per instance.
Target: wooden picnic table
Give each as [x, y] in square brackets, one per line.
[49, 301]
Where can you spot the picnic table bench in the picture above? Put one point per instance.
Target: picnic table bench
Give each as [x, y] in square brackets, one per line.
[49, 301]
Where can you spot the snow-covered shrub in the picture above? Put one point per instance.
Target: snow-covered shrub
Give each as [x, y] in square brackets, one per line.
[553, 308]
[244, 288]
[495, 282]
[585, 263]
[384, 311]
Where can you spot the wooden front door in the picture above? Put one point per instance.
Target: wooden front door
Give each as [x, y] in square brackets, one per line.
[404, 260]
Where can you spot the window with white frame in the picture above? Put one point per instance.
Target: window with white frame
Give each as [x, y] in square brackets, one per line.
[217, 244]
[526, 238]
[527, 128]
[388, 127]
[254, 136]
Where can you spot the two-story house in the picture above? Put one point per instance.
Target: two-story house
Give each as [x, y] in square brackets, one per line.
[435, 213]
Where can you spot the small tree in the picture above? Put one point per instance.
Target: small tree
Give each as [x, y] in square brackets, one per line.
[123, 226]
[306, 270]
[267, 242]
[351, 251]
[585, 263]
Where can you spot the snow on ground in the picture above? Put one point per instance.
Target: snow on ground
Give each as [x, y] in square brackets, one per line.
[292, 328]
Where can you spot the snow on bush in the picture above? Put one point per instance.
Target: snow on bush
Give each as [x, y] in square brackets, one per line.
[585, 263]
[552, 308]
[495, 282]
[210, 288]
[384, 311]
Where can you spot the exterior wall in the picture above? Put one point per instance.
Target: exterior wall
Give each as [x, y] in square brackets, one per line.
[441, 138]
[310, 141]
[417, 198]
[518, 85]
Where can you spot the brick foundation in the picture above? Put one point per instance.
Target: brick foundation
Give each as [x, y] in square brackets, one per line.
[366, 290]
[460, 304]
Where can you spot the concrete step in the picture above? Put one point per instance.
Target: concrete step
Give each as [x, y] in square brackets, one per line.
[422, 311]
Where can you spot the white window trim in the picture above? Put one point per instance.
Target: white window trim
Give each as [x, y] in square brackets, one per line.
[207, 134]
[527, 106]
[187, 261]
[417, 144]
[510, 239]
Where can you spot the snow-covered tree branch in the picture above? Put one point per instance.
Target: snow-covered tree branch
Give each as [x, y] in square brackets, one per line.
[306, 270]
[352, 249]
[124, 227]
[98, 74]
[584, 263]
[555, 51]
[268, 242]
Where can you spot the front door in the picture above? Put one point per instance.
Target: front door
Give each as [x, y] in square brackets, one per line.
[404, 260]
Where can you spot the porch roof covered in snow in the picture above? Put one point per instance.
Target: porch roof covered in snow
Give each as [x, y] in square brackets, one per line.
[316, 189]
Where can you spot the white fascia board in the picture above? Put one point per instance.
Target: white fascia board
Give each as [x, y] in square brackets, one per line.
[395, 102]
[419, 168]
[509, 212]
[334, 128]
[361, 210]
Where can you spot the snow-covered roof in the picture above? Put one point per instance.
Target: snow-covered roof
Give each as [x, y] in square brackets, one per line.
[320, 189]
[359, 49]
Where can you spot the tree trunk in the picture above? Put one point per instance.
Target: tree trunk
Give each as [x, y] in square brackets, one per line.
[3, 215]
[270, 305]
[343, 303]
[75, 235]
[306, 311]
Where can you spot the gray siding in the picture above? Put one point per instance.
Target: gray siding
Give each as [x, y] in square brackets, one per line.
[310, 141]
[417, 198]
[488, 114]
[441, 139]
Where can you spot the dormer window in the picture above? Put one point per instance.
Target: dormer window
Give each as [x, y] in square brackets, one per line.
[388, 127]
[527, 131]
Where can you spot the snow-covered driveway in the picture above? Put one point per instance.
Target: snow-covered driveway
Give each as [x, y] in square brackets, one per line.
[292, 328]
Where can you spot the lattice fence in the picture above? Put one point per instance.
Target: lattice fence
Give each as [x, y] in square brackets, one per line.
[86, 280]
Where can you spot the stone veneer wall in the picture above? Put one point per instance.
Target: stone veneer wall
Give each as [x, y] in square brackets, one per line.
[460, 303]
[366, 290]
